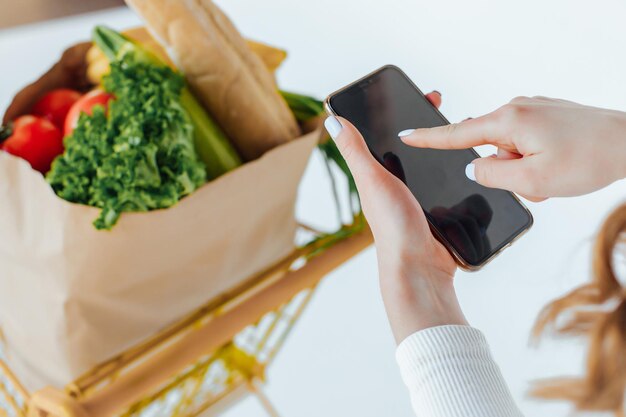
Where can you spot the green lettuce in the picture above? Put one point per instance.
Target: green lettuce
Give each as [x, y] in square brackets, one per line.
[137, 156]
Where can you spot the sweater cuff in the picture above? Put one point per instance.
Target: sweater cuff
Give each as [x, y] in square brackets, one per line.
[449, 371]
[439, 344]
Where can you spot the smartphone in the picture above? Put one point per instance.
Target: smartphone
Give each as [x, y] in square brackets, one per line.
[475, 223]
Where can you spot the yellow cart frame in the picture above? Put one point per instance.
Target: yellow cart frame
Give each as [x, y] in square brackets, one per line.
[207, 360]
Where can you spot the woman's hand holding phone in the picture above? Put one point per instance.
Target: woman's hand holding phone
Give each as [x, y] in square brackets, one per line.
[546, 147]
[416, 270]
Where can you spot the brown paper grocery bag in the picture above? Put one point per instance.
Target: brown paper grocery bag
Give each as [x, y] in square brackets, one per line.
[72, 296]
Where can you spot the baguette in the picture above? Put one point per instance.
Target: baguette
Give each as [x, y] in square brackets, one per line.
[227, 77]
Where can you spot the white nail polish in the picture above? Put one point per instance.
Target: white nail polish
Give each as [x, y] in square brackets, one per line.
[406, 132]
[470, 171]
[333, 126]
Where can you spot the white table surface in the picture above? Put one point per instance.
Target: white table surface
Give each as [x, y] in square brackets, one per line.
[340, 359]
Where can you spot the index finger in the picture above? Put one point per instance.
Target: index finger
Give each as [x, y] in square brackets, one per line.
[474, 132]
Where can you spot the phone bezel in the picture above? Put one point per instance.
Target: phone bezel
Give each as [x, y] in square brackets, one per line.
[461, 262]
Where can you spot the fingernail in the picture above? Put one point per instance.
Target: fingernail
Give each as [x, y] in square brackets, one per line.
[333, 126]
[470, 171]
[406, 132]
[435, 91]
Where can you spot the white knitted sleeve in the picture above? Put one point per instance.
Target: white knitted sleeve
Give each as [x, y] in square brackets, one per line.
[449, 372]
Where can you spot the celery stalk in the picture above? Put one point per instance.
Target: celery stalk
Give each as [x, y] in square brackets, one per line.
[211, 143]
[303, 107]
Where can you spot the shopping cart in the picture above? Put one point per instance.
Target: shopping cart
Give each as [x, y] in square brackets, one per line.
[215, 355]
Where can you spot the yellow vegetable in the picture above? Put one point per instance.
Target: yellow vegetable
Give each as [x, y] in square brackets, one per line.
[98, 64]
[97, 68]
[271, 57]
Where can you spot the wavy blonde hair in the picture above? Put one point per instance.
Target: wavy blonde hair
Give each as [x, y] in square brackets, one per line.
[596, 310]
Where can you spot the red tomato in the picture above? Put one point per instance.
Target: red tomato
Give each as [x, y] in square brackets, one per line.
[55, 105]
[85, 105]
[36, 140]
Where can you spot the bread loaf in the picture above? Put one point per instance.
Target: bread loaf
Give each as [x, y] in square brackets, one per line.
[230, 81]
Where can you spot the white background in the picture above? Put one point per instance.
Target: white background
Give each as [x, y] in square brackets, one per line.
[479, 54]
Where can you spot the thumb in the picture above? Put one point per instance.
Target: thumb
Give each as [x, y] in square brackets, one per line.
[507, 174]
[362, 164]
[389, 206]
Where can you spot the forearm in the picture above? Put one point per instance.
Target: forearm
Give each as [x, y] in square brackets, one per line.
[610, 147]
[449, 372]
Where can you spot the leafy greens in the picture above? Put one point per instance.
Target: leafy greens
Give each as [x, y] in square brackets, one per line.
[137, 156]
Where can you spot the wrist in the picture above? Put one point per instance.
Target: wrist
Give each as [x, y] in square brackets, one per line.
[416, 300]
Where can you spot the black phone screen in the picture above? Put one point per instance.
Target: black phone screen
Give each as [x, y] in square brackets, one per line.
[476, 221]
